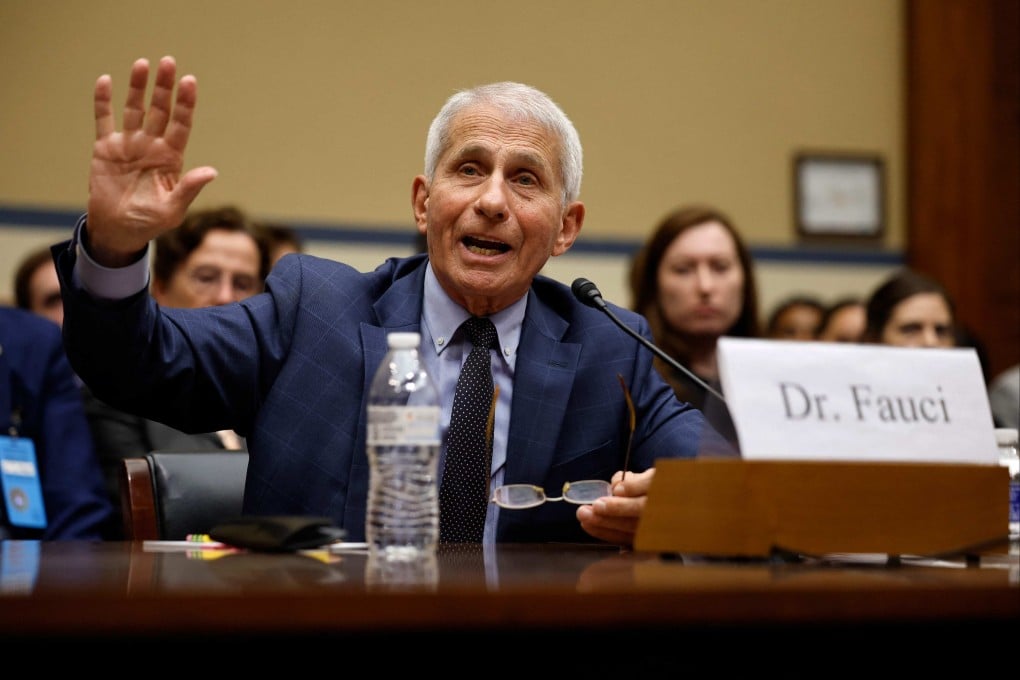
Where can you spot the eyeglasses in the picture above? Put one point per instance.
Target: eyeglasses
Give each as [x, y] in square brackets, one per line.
[631, 422]
[208, 280]
[586, 492]
[523, 496]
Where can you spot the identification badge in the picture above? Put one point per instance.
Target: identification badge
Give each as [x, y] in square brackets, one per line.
[20, 476]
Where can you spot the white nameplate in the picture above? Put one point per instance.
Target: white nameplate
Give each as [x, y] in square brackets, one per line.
[842, 401]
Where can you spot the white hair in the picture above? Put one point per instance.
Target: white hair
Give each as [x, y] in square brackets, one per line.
[520, 102]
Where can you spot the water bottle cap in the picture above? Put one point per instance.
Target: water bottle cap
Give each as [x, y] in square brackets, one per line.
[1006, 436]
[403, 340]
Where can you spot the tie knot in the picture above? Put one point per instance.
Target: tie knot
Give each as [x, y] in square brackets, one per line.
[481, 331]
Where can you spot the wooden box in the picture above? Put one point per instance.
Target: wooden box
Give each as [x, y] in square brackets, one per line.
[732, 507]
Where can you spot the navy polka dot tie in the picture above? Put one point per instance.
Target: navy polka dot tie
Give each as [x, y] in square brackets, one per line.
[464, 494]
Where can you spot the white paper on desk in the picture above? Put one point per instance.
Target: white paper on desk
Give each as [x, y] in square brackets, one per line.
[841, 401]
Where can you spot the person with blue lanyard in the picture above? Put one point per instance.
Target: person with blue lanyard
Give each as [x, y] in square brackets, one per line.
[52, 483]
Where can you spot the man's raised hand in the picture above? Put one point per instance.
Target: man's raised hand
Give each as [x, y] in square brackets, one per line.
[136, 189]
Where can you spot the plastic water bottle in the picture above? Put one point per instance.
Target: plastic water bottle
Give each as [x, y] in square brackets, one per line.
[402, 575]
[403, 453]
[1009, 457]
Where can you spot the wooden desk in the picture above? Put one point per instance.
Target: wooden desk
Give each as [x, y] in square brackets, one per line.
[551, 599]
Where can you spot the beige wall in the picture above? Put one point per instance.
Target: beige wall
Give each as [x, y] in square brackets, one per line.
[317, 111]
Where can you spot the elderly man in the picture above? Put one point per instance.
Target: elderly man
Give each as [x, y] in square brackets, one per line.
[289, 368]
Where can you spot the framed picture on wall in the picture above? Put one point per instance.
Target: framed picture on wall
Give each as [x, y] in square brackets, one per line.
[839, 195]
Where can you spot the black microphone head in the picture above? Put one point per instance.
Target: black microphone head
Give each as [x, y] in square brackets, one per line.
[588, 293]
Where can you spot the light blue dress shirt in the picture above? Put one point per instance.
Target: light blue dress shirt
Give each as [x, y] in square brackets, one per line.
[444, 353]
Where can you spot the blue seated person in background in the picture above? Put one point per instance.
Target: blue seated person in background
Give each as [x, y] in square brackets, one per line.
[41, 402]
[289, 368]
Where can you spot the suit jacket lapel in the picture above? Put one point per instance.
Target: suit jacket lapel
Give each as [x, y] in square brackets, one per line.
[398, 309]
[545, 372]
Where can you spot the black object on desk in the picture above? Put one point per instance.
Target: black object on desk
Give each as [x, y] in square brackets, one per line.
[278, 533]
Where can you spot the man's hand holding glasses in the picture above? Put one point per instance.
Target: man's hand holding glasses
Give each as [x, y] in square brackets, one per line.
[608, 510]
[614, 518]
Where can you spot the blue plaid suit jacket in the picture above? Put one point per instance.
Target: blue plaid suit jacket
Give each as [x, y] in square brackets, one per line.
[290, 368]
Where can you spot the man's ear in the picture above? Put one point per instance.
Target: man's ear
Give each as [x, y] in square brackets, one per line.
[420, 201]
[570, 227]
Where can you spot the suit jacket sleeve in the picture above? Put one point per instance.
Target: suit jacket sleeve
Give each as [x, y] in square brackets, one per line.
[151, 362]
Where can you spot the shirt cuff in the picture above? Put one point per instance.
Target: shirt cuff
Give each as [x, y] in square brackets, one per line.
[108, 283]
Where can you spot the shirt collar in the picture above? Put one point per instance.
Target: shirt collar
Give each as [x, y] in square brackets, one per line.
[441, 317]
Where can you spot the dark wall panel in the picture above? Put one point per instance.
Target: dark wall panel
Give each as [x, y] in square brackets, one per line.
[963, 182]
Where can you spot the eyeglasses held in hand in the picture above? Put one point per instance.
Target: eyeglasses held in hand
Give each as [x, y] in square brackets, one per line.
[523, 496]
[631, 422]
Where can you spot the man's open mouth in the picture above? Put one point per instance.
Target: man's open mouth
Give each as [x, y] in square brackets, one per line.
[481, 247]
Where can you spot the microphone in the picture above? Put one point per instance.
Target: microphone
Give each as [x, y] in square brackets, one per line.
[588, 293]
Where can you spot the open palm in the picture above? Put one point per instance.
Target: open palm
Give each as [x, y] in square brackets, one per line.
[136, 187]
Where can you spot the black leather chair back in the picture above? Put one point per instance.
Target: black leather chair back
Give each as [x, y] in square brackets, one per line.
[195, 491]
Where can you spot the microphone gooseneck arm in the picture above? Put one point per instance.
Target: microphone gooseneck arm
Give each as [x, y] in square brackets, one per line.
[588, 293]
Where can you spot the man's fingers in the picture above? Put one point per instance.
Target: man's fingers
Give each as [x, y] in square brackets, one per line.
[134, 107]
[623, 538]
[191, 183]
[609, 530]
[165, 117]
[179, 130]
[103, 109]
[162, 98]
[627, 507]
[634, 484]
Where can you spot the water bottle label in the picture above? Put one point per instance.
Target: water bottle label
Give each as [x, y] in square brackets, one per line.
[403, 425]
[1014, 501]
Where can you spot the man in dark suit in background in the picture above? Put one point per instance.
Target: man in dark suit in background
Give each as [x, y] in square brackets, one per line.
[290, 368]
[45, 445]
